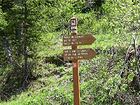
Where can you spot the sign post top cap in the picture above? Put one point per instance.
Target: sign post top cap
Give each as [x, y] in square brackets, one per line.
[74, 17]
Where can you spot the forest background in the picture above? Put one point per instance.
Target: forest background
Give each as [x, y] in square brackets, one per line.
[32, 70]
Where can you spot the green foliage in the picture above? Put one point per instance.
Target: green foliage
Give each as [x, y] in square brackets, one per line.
[3, 22]
[130, 77]
[101, 85]
[47, 20]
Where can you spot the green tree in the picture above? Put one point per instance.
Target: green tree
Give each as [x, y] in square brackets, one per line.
[18, 39]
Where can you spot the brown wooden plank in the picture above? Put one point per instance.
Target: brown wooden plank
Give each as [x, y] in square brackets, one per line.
[78, 40]
[78, 54]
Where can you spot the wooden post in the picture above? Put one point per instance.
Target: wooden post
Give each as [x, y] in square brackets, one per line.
[76, 83]
[75, 54]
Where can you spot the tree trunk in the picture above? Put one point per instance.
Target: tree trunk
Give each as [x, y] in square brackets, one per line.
[24, 32]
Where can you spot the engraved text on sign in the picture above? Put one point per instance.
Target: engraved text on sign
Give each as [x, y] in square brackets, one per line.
[79, 54]
[78, 40]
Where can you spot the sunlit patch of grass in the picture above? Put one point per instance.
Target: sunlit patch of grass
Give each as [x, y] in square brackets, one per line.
[107, 41]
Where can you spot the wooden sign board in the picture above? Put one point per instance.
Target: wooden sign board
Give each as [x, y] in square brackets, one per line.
[78, 40]
[73, 24]
[78, 54]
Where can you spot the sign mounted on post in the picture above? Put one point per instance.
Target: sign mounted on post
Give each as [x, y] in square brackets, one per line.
[78, 54]
[73, 25]
[75, 54]
[78, 40]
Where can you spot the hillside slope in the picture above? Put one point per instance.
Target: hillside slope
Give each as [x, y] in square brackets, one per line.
[111, 78]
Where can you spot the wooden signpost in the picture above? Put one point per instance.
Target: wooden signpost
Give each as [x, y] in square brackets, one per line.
[75, 54]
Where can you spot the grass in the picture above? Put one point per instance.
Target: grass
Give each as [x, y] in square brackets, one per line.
[99, 77]
[45, 91]
[55, 90]
[55, 87]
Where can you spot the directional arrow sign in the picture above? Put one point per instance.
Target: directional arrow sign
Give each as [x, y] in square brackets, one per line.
[78, 54]
[78, 40]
